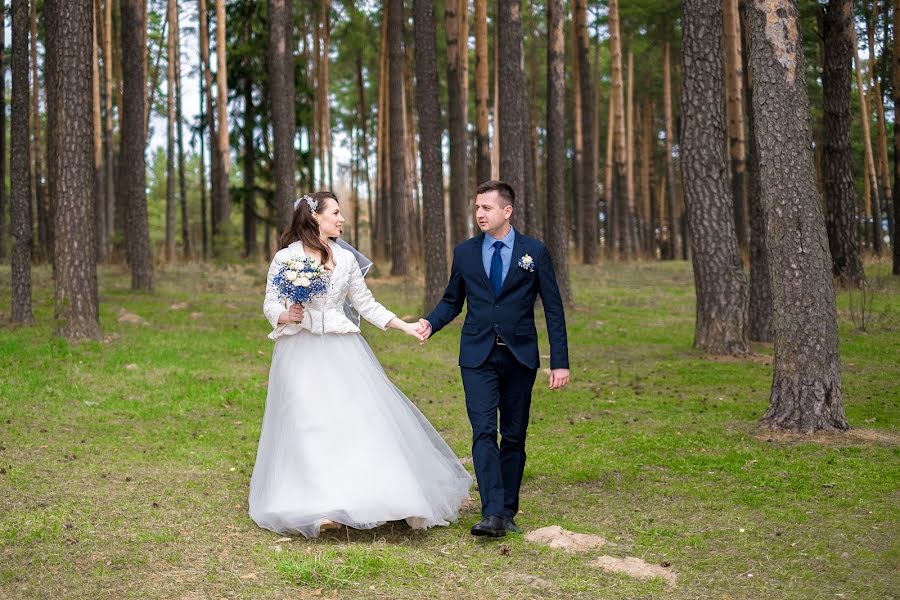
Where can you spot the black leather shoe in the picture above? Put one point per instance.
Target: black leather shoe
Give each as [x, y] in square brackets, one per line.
[490, 526]
[511, 526]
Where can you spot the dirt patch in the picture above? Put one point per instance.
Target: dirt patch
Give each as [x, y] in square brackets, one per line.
[555, 536]
[130, 317]
[853, 437]
[530, 580]
[635, 567]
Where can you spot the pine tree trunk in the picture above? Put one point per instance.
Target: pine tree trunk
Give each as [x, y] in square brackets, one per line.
[215, 218]
[99, 216]
[281, 82]
[648, 219]
[735, 114]
[881, 160]
[611, 234]
[249, 204]
[457, 122]
[132, 167]
[412, 151]
[3, 196]
[482, 69]
[495, 142]
[618, 190]
[529, 152]
[363, 108]
[672, 226]
[840, 196]
[399, 199]
[204, 202]
[381, 242]
[719, 281]
[323, 92]
[72, 173]
[871, 177]
[427, 102]
[19, 175]
[42, 199]
[806, 388]
[590, 248]
[187, 247]
[511, 98]
[633, 242]
[578, 143]
[223, 199]
[109, 157]
[760, 313]
[895, 58]
[557, 223]
[171, 206]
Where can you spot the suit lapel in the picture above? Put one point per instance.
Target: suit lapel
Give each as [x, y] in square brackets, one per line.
[479, 262]
[513, 263]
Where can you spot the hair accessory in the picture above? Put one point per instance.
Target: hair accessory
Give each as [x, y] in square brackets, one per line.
[312, 204]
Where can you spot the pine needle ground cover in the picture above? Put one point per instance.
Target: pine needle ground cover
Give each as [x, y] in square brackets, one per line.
[125, 464]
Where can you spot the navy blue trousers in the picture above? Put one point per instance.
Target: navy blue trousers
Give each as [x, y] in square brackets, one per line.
[501, 384]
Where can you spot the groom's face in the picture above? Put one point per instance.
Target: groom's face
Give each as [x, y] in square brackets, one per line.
[491, 212]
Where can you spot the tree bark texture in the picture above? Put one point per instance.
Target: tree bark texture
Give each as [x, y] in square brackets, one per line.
[171, 206]
[223, 199]
[3, 196]
[457, 123]
[760, 317]
[806, 387]
[840, 196]
[427, 102]
[557, 223]
[482, 69]
[590, 243]
[735, 113]
[71, 170]
[720, 284]
[511, 97]
[132, 167]
[895, 57]
[669, 248]
[281, 82]
[399, 198]
[19, 175]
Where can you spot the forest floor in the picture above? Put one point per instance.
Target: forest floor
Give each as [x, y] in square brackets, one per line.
[125, 464]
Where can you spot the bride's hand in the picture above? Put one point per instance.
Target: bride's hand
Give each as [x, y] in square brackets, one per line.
[413, 330]
[292, 315]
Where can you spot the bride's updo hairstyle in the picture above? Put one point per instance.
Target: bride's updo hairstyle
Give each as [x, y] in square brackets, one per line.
[305, 228]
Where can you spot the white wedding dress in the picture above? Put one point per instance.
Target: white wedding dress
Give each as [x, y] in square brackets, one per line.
[339, 441]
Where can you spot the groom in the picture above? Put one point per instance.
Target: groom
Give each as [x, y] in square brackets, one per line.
[499, 275]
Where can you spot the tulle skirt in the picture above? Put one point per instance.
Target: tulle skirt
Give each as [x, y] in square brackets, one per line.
[340, 442]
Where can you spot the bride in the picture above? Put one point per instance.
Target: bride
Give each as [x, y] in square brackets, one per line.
[340, 444]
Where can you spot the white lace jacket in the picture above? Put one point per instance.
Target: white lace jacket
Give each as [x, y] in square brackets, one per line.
[326, 314]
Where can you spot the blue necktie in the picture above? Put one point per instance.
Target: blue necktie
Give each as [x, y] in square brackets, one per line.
[497, 268]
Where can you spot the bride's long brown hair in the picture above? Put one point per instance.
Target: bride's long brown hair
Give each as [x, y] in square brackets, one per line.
[305, 228]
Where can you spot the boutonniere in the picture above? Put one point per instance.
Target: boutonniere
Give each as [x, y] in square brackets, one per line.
[527, 263]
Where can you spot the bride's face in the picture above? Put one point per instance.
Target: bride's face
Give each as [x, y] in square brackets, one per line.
[331, 221]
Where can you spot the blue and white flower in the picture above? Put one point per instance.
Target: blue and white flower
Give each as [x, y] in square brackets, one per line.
[301, 279]
[527, 263]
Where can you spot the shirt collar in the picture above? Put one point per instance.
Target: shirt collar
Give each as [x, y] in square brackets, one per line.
[507, 240]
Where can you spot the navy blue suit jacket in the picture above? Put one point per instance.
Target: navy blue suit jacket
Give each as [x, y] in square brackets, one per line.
[509, 314]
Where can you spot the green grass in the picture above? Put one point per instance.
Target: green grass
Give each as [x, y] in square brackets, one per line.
[125, 463]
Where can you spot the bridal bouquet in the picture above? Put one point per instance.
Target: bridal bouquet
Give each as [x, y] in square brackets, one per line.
[301, 280]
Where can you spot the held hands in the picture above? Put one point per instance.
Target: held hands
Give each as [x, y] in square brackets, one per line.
[294, 314]
[407, 328]
[424, 330]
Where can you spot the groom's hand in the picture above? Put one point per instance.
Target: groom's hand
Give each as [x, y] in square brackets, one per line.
[424, 330]
[558, 378]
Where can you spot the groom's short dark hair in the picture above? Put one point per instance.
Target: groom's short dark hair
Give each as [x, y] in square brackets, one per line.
[503, 189]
